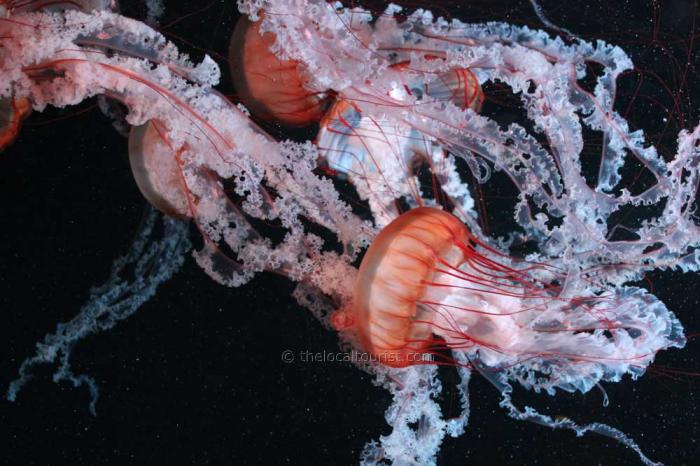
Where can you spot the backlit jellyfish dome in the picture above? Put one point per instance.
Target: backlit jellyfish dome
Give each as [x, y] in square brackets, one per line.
[273, 88]
[425, 276]
[375, 214]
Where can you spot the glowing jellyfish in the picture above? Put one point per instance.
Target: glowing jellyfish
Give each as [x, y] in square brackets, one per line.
[271, 87]
[381, 154]
[393, 281]
[156, 171]
[408, 94]
[427, 285]
[426, 275]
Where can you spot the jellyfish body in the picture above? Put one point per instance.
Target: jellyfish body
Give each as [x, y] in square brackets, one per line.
[272, 88]
[427, 284]
[406, 273]
[457, 85]
[351, 141]
[380, 155]
[407, 90]
[155, 166]
[392, 279]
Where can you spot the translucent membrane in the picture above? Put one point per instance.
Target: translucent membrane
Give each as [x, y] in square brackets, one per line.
[154, 163]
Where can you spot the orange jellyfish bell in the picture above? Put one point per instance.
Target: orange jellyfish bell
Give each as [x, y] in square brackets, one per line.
[390, 324]
[271, 88]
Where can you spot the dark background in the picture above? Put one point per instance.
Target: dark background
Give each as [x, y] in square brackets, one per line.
[196, 377]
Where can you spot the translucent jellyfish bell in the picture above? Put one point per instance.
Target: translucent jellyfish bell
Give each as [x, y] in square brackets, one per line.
[427, 284]
[379, 155]
[458, 85]
[156, 170]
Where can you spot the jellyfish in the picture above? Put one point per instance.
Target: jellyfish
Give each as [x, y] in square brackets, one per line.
[272, 88]
[426, 275]
[156, 172]
[380, 154]
[549, 306]
[427, 285]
